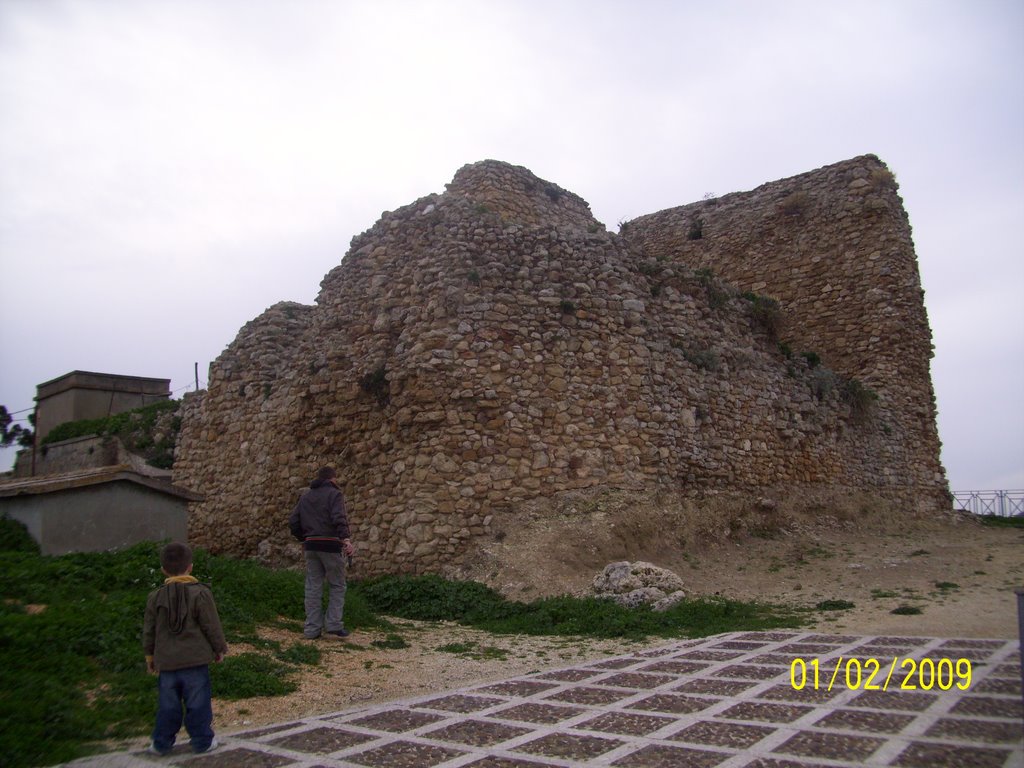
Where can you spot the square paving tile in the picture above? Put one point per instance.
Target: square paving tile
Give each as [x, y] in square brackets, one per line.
[779, 659]
[626, 723]
[834, 746]
[739, 645]
[771, 637]
[831, 639]
[569, 746]
[715, 687]
[478, 733]
[865, 720]
[636, 680]
[462, 704]
[723, 734]
[989, 706]
[749, 672]
[660, 756]
[901, 701]
[983, 731]
[320, 740]
[239, 758]
[404, 754]
[963, 642]
[1006, 670]
[255, 734]
[586, 695]
[518, 688]
[710, 655]
[569, 675]
[806, 695]
[768, 713]
[545, 714]
[891, 640]
[997, 685]
[771, 762]
[675, 667]
[507, 762]
[805, 650]
[397, 720]
[672, 703]
[886, 652]
[922, 755]
[615, 663]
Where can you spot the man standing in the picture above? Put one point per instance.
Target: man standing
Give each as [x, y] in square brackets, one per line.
[320, 522]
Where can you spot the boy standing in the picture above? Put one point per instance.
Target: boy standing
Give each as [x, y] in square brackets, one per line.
[181, 635]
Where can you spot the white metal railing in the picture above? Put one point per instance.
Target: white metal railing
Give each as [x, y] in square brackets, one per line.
[1001, 503]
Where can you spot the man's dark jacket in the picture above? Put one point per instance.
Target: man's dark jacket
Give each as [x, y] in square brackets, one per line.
[320, 520]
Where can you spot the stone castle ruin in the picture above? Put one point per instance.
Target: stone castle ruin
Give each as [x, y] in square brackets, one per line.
[493, 345]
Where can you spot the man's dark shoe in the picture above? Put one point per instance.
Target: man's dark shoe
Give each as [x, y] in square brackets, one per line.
[339, 633]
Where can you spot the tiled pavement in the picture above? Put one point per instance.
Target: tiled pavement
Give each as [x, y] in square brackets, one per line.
[725, 701]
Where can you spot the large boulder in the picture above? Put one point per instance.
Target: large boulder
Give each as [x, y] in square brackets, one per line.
[639, 583]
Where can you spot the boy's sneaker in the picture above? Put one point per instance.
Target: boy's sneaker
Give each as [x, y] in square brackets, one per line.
[339, 633]
[213, 745]
[152, 750]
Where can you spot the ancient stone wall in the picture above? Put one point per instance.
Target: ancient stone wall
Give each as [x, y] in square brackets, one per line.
[494, 344]
[834, 247]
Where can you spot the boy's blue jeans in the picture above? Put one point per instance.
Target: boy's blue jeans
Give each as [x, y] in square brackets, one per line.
[189, 687]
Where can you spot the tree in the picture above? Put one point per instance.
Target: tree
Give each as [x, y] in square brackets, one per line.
[9, 435]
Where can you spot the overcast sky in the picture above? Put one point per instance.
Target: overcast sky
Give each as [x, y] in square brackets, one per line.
[169, 169]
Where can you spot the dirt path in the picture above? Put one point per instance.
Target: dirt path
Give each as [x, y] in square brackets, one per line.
[959, 574]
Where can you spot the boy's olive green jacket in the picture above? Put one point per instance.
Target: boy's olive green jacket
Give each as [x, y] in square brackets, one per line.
[181, 627]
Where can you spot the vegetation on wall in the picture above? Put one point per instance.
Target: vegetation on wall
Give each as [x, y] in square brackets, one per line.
[765, 313]
[150, 431]
[376, 383]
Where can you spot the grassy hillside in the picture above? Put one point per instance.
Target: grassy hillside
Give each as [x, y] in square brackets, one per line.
[72, 669]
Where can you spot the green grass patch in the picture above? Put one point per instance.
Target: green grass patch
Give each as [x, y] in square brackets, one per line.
[472, 650]
[1000, 521]
[74, 672]
[395, 642]
[250, 674]
[431, 598]
[834, 605]
[907, 610]
[300, 653]
[945, 586]
[880, 593]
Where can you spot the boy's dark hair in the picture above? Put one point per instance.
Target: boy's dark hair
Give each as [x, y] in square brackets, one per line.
[326, 473]
[175, 558]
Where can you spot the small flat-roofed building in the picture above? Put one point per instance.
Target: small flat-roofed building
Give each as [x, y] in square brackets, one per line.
[97, 509]
[87, 395]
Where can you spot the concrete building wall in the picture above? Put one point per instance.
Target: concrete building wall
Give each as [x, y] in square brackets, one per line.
[98, 517]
